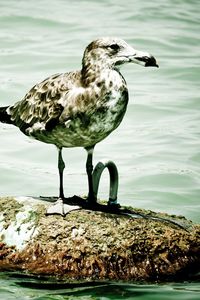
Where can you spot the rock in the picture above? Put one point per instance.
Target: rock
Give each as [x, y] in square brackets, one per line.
[96, 245]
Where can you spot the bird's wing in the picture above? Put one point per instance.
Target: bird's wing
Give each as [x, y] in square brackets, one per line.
[44, 103]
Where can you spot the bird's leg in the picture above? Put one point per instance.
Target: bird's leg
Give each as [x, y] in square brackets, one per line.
[89, 169]
[59, 207]
[61, 166]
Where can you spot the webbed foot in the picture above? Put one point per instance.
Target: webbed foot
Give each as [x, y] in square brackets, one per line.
[61, 208]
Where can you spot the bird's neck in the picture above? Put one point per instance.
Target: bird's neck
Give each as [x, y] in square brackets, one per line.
[95, 73]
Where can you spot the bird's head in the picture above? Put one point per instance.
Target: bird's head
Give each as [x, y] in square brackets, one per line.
[114, 52]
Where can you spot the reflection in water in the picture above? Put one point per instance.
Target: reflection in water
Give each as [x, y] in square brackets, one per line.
[31, 287]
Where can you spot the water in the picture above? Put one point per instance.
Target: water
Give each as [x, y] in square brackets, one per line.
[31, 289]
[156, 148]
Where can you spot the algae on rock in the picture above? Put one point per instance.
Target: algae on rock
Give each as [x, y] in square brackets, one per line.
[96, 245]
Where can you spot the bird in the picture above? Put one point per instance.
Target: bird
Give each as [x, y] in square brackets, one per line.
[79, 108]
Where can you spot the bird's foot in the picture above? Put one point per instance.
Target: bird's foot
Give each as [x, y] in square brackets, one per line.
[66, 205]
[113, 204]
[61, 208]
[91, 203]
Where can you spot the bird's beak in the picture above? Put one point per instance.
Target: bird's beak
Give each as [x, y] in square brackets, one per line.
[143, 58]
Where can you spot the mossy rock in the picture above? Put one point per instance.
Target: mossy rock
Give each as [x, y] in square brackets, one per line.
[96, 245]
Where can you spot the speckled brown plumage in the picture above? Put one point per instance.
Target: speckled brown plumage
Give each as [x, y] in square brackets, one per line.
[79, 108]
[73, 109]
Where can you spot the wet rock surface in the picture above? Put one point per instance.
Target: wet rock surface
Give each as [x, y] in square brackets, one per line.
[96, 245]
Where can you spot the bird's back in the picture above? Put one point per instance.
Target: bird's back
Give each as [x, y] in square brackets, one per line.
[42, 104]
[62, 111]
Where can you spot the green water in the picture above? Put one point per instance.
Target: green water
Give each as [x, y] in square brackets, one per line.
[156, 148]
[14, 287]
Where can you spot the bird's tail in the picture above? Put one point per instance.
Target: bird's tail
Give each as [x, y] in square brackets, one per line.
[4, 116]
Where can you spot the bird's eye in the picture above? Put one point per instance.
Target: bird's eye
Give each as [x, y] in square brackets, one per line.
[115, 47]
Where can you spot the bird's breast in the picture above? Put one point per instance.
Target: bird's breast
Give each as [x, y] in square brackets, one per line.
[91, 116]
[90, 127]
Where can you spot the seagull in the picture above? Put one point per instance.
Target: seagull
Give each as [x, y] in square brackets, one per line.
[79, 108]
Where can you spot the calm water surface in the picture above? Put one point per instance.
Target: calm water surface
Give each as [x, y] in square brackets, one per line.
[156, 148]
